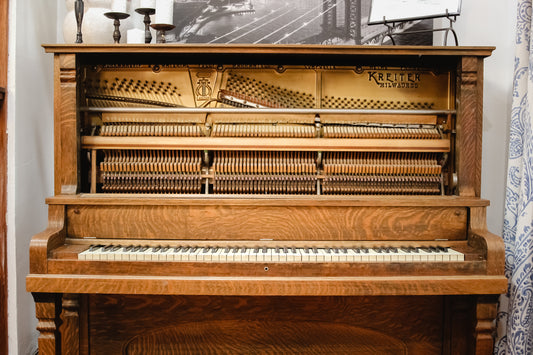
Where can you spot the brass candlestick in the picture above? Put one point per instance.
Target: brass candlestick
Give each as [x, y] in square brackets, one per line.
[78, 11]
[117, 16]
[146, 11]
[161, 29]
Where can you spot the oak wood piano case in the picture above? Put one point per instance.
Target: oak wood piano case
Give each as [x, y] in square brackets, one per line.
[335, 152]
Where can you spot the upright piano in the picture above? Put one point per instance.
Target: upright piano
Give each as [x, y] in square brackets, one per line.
[266, 199]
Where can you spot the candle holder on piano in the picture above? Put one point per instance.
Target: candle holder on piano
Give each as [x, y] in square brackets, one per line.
[78, 10]
[117, 16]
[161, 29]
[146, 11]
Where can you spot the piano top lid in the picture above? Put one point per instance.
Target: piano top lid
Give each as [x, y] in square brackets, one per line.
[287, 49]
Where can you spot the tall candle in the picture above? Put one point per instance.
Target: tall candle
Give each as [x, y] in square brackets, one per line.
[119, 6]
[135, 35]
[147, 4]
[164, 11]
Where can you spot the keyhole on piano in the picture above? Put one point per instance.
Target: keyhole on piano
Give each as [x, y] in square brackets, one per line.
[266, 268]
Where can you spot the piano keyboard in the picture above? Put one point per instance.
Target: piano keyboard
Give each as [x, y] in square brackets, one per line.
[264, 254]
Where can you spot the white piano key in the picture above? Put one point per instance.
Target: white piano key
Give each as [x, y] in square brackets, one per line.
[252, 254]
[455, 255]
[327, 253]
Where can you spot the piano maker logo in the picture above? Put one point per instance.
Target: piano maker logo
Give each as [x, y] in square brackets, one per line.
[394, 80]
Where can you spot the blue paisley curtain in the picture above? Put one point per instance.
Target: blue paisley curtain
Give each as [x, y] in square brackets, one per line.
[515, 323]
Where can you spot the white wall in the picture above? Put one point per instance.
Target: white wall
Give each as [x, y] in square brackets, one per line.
[30, 154]
[30, 146]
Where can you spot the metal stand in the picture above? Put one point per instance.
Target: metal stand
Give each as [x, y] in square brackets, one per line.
[390, 26]
[146, 11]
[78, 11]
[161, 28]
[117, 16]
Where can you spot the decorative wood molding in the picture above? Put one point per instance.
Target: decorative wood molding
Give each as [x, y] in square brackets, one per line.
[486, 311]
[470, 125]
[47, 308]
[66, 125]
[70, 326]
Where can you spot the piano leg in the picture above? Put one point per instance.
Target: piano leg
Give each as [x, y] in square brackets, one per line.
[70, 324]
[486, 311]
[47, 310]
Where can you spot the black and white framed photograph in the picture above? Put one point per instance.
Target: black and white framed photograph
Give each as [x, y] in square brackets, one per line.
[284, 22]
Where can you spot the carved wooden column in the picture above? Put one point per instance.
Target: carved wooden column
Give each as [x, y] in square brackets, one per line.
[469, 125]
[47, 309]
[486, 311]
[70, 326]
[65, 125]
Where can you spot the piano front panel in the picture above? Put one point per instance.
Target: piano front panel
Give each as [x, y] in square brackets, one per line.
[245, 220]
[280, 325]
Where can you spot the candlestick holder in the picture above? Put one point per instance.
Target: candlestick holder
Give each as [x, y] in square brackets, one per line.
[146, 11]
[161, 29]
[78, 11]
[117, 16]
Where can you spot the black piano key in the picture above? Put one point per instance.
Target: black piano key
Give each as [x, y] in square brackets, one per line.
[95, 247]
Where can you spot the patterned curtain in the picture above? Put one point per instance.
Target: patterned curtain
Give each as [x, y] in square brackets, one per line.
[515, 323]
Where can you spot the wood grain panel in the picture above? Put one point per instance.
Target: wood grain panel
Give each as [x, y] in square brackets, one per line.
[266, 200]
[52, 237]
[47, 308]
[469, 126]
[308, 325]
[241, 49]
[70, 324]
[266, 222]
[262, 269]
[264, 337]
[268, 286]
[66, 144]
[274, 144]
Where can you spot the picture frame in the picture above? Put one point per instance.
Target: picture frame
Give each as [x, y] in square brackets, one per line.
[388, 11]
